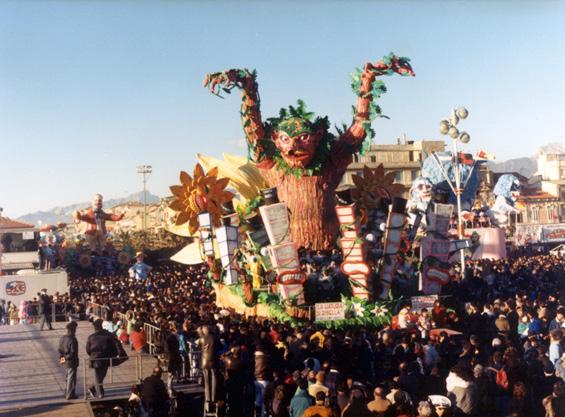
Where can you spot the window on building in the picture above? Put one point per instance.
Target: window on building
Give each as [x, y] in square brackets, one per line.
[373, 158]
[355, 157]
[519, 218]
[415, 174]
[398, 176]
[411, 156]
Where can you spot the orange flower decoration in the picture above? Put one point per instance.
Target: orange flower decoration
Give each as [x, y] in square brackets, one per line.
[201, 192]
[374, 185]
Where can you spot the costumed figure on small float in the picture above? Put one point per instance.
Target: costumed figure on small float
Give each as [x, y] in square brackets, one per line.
[95, 219]
[507, 190]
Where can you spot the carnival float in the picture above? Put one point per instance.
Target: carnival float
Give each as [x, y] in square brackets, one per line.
[268, 223]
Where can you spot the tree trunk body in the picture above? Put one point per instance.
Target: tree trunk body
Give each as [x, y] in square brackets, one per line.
[311, 202]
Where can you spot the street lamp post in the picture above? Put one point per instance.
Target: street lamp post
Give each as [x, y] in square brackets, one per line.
[145, 170]
[449, 127]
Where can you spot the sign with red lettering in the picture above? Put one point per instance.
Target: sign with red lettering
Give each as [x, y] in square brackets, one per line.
[329, 311]
[15, 288]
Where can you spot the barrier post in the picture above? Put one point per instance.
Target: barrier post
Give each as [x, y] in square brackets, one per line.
[85, 392]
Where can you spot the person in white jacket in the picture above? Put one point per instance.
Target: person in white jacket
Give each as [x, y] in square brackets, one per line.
[462, 390]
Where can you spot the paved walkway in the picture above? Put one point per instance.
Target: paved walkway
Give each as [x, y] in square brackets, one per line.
[31, 376]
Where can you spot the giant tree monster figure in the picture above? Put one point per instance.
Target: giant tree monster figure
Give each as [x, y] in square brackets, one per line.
[295, 152]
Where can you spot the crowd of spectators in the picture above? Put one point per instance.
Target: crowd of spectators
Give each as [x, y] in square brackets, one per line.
[491, 346]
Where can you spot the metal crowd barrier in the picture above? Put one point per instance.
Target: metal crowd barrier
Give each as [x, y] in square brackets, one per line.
[152, 333]
[123, 379]
[56, 312]
[153, 340]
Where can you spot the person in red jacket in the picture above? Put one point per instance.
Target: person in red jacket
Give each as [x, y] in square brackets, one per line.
[138, 339]
[95, 219]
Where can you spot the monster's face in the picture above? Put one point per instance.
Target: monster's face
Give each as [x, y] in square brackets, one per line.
[297, 141]
[421, 190]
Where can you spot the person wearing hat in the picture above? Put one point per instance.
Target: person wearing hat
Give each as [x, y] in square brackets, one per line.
[441, 404]
[139, 269]
[68, 357]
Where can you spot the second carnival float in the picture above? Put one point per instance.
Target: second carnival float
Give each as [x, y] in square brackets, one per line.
[282, 238]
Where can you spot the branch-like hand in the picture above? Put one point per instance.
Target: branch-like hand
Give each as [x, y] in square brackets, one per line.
[368, 90]
[244, 80]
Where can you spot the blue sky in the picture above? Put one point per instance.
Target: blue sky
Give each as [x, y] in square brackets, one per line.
[90, 89]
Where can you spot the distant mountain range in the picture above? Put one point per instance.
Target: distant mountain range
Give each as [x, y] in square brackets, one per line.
[65, 214]
[525, 166]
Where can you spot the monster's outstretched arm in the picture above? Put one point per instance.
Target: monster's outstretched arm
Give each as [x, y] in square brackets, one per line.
[244, 80]
[368, 90]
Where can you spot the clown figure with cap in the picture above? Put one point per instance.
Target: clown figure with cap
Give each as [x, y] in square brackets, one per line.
[139, 269]
[95, 219]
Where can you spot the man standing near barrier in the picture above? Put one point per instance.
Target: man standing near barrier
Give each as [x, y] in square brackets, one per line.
[155, 397]
[100, 347]
[68, 357]
[45, 309]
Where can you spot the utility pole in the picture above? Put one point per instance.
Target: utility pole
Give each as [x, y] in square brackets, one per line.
[145, 170]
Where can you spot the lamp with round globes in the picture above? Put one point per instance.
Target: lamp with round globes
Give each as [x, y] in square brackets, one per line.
[453, 132]
[444, 127]
[449, 127]
[462, 112]
[464, 137]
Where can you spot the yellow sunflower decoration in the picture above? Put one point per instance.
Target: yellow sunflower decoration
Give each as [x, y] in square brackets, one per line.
[374, 185]
[201, 192]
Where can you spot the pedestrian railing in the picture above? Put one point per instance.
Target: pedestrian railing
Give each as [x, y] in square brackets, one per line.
[191, 370]
[58, 312]
[153, 338]
[118, 376]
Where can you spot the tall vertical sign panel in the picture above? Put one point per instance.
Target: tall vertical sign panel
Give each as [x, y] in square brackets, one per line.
[354, 263]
